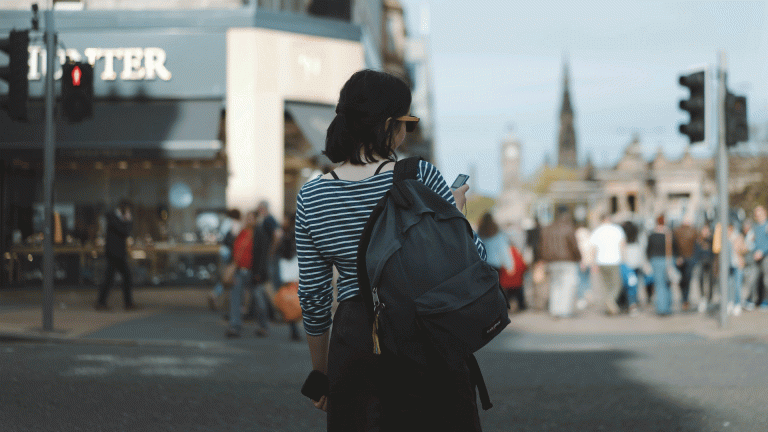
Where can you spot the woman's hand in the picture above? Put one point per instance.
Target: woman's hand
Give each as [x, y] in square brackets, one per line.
[458, 196]
[322, 404]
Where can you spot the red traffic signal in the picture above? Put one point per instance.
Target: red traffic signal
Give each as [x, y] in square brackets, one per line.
[77, 74]
[77, 91]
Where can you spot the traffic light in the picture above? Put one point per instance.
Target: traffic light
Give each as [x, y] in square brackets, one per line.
[16, 46]
[695, 105]
[736, 127]
[77, 91]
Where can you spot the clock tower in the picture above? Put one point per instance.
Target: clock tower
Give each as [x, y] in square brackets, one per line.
[514, 201]
[510, 162]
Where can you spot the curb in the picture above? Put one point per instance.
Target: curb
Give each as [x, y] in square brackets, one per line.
[77, 340]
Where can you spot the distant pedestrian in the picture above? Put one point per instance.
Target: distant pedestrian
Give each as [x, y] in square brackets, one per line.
[633, 259]
[705, 259]
[512, 282]
[271, 228]
[751, 271]
[119, 225]
[539, 291]
[759, 253]
[228, 231]
[738, 251]
[684, 239]
[560, 252]
[659, 253]
[608, 242]
[585, 266]
[496, 244]
[250, 275]
[289, 271]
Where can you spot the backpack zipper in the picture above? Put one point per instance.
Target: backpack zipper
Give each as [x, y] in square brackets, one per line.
[377, 307]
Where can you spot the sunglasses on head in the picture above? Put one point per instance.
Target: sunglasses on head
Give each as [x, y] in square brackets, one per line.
[410, 122]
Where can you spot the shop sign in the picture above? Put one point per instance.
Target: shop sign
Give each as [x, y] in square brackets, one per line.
[128, 64]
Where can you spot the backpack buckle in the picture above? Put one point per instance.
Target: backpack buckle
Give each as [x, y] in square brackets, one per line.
[375, 293]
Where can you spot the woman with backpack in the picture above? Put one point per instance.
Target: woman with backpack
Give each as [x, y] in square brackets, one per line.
[366, 391]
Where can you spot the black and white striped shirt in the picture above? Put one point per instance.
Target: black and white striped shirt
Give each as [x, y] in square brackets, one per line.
[330, 218]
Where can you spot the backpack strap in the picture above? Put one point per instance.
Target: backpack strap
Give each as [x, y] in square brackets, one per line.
[406, 169]
[477, 379]
[378, 170]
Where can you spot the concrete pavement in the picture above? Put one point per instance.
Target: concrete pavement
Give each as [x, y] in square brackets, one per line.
[186, 308]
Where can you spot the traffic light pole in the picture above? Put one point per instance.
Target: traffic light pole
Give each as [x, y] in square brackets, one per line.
[722, 189]
[49, 160]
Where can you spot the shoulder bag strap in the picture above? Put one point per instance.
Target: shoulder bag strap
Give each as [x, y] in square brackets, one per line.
[477, 379]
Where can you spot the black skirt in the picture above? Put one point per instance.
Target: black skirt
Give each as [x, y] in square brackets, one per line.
[370, 392]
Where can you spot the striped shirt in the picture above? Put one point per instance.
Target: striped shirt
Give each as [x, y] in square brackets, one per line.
[330, 217]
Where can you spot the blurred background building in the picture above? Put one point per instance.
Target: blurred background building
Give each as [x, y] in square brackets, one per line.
[633, 189]
[200, 106]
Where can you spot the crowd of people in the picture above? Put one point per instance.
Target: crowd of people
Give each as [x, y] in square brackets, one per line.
[251, 255]
[628, 266]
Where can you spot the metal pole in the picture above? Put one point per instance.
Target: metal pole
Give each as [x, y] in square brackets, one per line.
[722, 189]
[49, 153]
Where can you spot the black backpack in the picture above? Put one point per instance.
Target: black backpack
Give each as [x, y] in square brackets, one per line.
[429, 295]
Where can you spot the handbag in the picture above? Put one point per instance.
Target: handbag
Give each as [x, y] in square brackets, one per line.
[286, 300]
[228, 275]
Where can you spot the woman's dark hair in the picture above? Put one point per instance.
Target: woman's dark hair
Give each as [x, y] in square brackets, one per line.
[487, 226]
[631, 231]
[366, 101]
[234, 214]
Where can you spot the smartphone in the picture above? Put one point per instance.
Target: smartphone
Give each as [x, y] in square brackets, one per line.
[316, 385]
[459, 182]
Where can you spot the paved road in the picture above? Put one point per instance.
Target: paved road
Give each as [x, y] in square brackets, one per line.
[538, 382]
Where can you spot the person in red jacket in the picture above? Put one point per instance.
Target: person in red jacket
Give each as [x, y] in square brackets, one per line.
[249, 255]
[512, 281]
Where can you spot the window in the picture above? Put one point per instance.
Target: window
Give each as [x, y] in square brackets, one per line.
[632, 202]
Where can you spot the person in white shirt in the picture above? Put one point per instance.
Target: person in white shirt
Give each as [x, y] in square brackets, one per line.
[608, 242]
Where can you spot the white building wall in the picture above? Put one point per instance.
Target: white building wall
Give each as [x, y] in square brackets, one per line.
[264, 69]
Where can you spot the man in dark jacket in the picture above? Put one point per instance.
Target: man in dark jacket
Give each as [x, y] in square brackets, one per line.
[119, 224]
[560, 251]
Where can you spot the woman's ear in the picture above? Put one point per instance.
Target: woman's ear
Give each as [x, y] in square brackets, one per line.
[386, 123]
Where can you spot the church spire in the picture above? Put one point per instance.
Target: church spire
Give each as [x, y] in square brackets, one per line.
[567, 155]
[566, 108]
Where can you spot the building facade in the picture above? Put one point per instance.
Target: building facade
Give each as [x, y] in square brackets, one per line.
[199, 107]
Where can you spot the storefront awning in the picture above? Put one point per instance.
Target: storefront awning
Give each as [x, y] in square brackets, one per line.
[313, 120]
[152, 129]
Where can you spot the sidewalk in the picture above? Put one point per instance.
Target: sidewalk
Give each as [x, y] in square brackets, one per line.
[75, 319]
[21, 313]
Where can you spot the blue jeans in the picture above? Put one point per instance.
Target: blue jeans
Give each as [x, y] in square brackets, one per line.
[241, 283]
[225, 257]
[632, 283]
[737, 280]
[583, 283]
[663, 298]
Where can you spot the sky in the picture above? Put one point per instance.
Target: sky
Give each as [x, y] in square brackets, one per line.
[498, 69]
